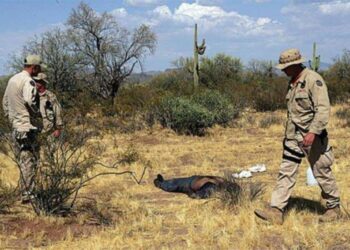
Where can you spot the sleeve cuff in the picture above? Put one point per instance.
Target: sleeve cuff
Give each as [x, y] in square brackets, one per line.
[315, 131]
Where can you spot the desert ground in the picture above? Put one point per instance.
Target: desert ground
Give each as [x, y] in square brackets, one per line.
[117, 213]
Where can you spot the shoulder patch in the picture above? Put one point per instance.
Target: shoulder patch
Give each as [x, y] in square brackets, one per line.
[319, 83]
[32, 83]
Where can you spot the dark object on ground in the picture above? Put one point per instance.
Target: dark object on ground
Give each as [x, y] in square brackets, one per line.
[197, 186]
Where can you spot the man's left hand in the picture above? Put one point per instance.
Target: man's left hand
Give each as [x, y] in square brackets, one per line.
[308, 139]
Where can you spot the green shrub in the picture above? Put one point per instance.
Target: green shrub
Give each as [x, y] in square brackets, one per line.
[269, 96]
[184, 116]
[178, 82]
[135, 99]
[218, 104]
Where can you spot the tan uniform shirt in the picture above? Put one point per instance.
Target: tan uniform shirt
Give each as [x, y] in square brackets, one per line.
[308, 105]
[50, 110]
[20, 101]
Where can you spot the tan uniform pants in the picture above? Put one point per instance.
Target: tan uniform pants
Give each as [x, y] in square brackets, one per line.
[320, 157]
[27, 154]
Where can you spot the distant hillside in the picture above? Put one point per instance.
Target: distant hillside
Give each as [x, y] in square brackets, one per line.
[142, 77]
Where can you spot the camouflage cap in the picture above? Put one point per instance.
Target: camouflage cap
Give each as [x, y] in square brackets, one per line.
[289, 57]
[41, 77]
[34, 60]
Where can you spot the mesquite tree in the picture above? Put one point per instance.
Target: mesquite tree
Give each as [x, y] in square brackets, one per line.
[109, 52]
[54, 48]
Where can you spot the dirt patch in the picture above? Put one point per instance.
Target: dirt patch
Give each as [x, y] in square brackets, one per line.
[272, 241]
[37, 232]
[340, 247]
[252, 131]
[187, 159]
[148, 140]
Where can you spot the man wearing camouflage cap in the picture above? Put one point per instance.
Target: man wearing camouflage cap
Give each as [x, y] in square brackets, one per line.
[50, 121]
[20, 104]
[50, 108]
[305, 136]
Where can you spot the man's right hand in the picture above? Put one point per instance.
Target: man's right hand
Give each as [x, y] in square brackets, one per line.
[56, 133]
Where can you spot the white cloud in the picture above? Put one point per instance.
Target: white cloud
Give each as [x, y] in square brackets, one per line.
[335, 8]
[263, 20]
[162, 11]
[214, 17]
[138, 3]
[121, 12]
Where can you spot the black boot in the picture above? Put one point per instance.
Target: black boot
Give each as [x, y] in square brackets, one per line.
[158, 180]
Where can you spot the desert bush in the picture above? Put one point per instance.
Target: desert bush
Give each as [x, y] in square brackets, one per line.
[8, 196]
[219, 105]
[260, 69]
[219, 69]
[178, 82]
[338, 77]
[66, 166]
[339, 91]
[344, 114]
[239, 193]
[135, 99]
[95, 213]
[269, 120]
[184, 116]
[269, 96]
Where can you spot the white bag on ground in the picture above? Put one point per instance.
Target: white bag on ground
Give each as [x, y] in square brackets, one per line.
[257, 168]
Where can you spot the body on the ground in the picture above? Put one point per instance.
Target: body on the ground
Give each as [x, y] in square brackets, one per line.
[197, 186]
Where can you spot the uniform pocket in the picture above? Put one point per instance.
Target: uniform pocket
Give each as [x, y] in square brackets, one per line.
[302, 100]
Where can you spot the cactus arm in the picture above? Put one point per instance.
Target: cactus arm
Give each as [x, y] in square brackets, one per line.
[316, 60]
[197, 50]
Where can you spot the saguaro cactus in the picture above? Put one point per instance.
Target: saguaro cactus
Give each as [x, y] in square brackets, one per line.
[198, 50]
[316, 60]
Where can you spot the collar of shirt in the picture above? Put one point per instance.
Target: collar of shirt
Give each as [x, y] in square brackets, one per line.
[42, 93]
[26, 73]
[299, 79]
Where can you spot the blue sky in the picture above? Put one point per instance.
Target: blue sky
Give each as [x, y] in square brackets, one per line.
[249, 29]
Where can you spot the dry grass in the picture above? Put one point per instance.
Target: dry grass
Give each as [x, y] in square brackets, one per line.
[146, 218]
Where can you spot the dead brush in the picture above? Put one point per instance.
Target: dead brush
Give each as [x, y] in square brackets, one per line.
[66, 166]
[269, 120]
[8, 196]
[93, 213]
[344, 115]
[240, 193]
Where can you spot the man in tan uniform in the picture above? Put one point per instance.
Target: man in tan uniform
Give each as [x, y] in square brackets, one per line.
[50, 120]
[20, 104]
[50, 108]
[305, 136]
